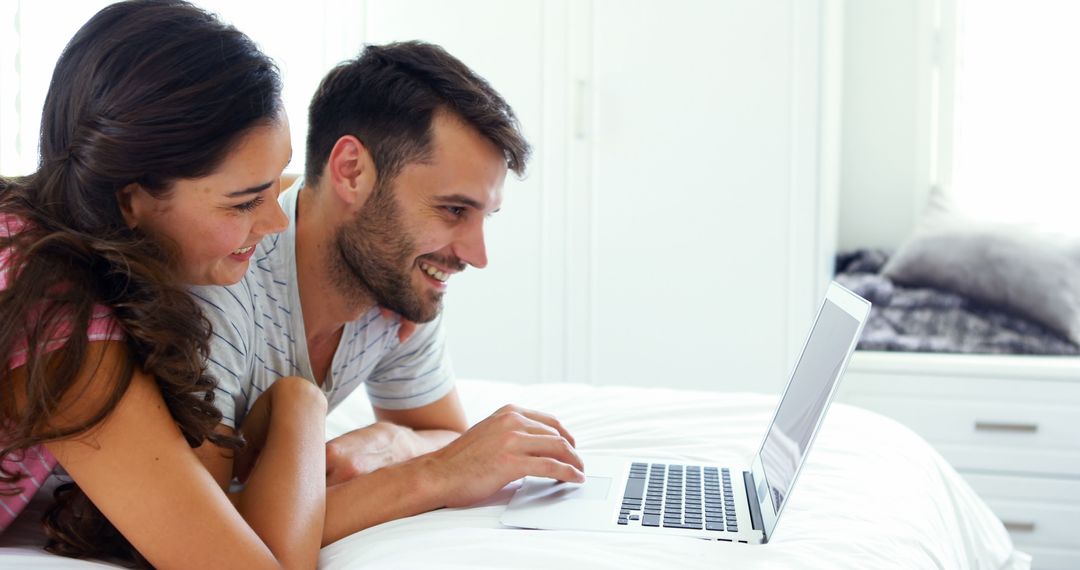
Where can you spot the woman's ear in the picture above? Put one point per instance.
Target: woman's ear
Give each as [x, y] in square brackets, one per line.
[131, 199]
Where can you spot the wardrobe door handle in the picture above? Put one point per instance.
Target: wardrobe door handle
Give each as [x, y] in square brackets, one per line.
[1006, 426]
[1018, 526]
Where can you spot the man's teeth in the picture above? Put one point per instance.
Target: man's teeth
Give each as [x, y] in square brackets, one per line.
[243, 250]
[439, 275]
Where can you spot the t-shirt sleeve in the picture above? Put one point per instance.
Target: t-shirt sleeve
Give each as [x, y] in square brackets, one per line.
[416, 373]
[229, 310]
[100, 328]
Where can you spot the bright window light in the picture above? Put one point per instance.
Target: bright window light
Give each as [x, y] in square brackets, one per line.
[33, 34]
[1018, 111]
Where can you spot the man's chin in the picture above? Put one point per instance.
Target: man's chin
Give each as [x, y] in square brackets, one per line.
[419, 312]
[428, 314]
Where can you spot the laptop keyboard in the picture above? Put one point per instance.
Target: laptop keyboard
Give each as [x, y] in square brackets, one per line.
[678, 496]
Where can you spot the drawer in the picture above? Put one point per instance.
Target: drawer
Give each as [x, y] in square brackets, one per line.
[1021, 438]
[993, 371]
[1038, 512]
[968, 378]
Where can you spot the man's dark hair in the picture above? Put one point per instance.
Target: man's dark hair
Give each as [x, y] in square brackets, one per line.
[387, 97]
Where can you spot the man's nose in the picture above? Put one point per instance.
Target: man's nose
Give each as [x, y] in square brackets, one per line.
[470, 247]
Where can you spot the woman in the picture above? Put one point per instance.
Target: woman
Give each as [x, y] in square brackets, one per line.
[162, 142]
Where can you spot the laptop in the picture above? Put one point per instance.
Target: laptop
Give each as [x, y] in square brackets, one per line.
[717, 502]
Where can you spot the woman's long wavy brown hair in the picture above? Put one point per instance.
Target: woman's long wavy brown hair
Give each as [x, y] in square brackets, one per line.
[147, 92]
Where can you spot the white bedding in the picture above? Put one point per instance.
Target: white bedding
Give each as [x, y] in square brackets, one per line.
[873, 494]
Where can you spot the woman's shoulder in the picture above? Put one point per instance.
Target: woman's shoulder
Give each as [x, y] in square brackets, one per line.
[11, 224]
[102, 325]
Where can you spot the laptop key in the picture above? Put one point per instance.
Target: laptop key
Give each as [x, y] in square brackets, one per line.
[678, 497]
[634, 489]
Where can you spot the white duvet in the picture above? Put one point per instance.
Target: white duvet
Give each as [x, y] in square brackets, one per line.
[873, 494]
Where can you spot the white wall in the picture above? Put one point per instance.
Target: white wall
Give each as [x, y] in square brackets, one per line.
[666, 234]
[887, 142]
[670, 231]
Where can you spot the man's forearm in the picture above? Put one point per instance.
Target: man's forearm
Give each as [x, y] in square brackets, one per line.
[509, 444]
[390, 493]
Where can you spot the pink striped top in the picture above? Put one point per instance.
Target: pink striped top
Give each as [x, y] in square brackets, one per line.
[36, 463]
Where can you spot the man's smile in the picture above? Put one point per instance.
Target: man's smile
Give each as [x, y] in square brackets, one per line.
[435, 273]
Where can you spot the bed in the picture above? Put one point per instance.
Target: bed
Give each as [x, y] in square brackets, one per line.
[873, 495]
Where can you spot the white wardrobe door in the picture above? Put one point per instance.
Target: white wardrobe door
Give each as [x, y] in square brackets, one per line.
[693, 179]
[492, 315]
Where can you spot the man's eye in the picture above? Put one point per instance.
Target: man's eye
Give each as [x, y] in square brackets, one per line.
[455, 211]
[250, 205]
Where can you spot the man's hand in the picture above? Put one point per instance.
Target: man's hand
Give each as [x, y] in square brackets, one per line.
[367, 449]
[511, 443]
[407, 327]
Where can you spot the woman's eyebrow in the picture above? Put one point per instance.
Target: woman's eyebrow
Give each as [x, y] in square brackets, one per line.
[252, 190]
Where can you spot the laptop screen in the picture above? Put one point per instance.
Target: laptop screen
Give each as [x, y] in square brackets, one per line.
[804, 401]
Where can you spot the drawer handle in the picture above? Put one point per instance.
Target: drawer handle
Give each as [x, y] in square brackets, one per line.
[1006, 426]
[1014, 526]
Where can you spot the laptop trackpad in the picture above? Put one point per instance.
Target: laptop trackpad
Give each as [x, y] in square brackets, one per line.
[544, 503]
[593, 489]
[548, 491]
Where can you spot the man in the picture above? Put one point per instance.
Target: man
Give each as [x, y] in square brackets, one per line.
[407, 153]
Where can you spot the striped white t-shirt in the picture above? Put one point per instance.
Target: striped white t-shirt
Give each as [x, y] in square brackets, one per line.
[259, 337]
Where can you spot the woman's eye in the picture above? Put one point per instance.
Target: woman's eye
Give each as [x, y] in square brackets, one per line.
[250, 205]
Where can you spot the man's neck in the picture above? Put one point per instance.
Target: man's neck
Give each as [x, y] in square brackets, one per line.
[325, 309]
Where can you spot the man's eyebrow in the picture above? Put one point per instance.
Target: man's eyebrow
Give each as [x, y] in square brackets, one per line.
[252, 190]
[460, 199]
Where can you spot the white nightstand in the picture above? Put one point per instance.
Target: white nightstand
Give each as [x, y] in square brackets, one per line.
[1009, 424]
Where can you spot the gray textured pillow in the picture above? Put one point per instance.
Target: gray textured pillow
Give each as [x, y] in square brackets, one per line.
[1032, 273]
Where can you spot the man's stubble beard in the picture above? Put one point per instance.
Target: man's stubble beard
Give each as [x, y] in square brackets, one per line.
[372, 261]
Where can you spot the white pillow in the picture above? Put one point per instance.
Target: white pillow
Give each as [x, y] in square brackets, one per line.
[1030, 272]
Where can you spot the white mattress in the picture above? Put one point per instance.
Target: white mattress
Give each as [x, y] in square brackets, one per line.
[873, 494]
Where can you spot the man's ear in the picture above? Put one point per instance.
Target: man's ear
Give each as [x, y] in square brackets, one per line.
[132, 200]
[351, 171]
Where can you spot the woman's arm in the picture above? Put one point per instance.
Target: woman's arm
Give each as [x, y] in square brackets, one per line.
[140, 472]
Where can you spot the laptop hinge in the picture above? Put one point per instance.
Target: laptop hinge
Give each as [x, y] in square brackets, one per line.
[752, 498]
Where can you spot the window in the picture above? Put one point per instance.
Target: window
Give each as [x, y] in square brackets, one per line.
[305, 44]
[1017, 111]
